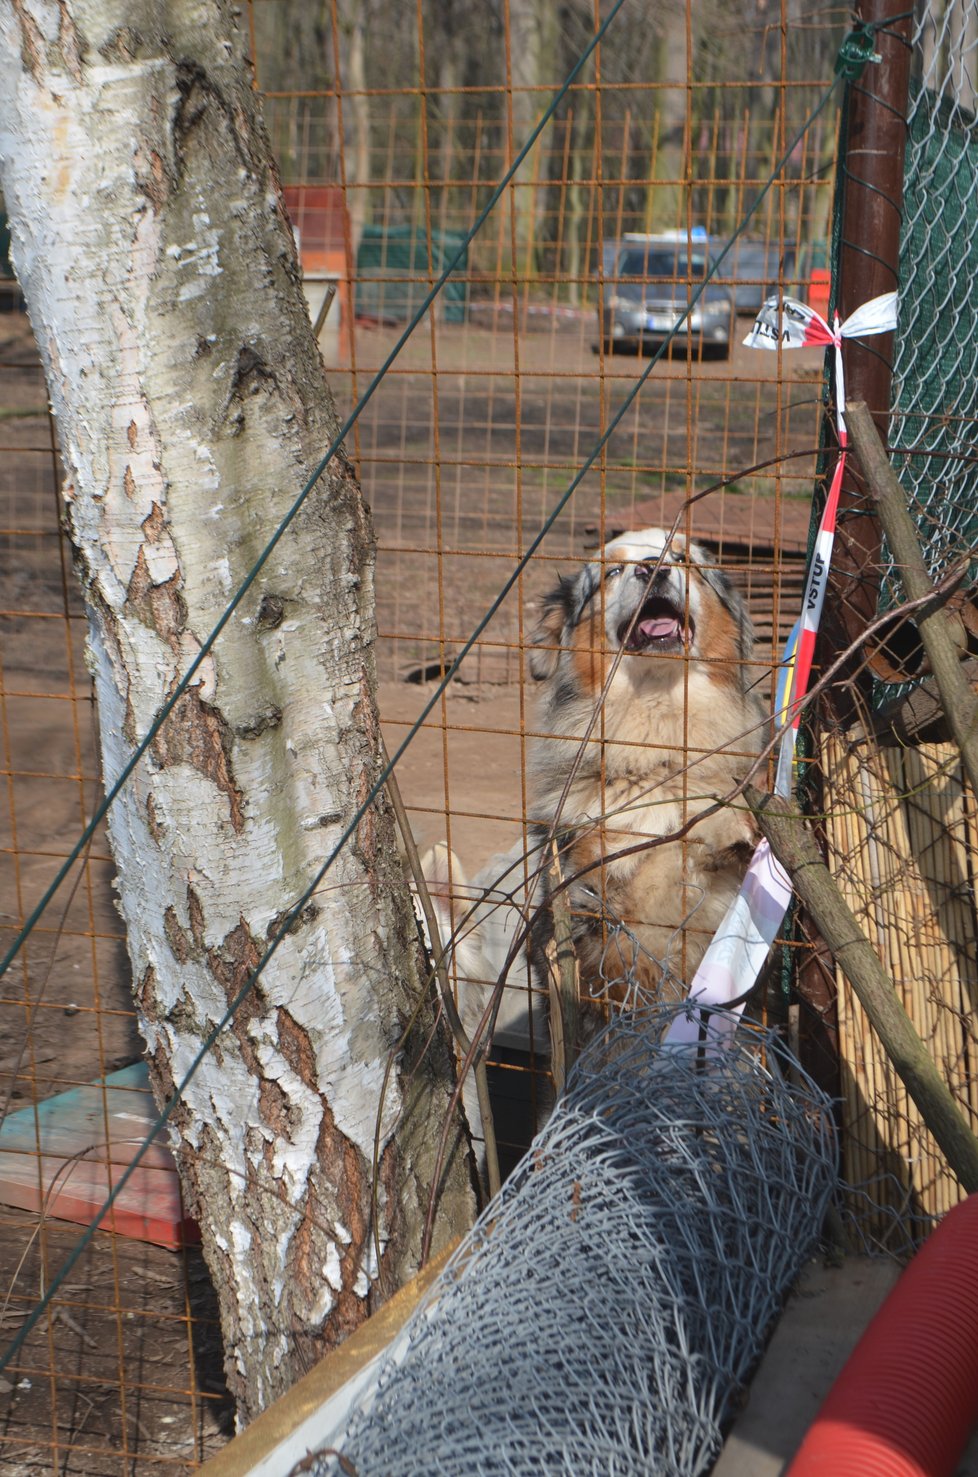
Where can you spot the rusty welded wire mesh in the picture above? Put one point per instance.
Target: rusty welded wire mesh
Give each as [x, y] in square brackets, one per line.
[391, 129]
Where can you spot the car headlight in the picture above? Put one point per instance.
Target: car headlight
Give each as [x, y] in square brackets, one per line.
[714, 309]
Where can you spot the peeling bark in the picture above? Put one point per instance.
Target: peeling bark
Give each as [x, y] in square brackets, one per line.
[161, 277]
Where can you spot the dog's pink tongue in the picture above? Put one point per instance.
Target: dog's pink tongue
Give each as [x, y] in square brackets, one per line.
[661, 628]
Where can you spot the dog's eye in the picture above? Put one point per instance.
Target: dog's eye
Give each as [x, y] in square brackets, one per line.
[613, 570]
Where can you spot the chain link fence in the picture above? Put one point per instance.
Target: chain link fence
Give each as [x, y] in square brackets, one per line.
[605, 1313]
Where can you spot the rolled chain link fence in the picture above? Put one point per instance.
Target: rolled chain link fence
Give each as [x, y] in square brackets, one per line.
[605, 1312]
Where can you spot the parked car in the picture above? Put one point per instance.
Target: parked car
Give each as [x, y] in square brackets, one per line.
[753, 269]
[648, 283]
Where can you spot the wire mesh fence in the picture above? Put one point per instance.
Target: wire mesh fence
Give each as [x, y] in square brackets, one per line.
[900, 812]
[934, 404]
[391, 131]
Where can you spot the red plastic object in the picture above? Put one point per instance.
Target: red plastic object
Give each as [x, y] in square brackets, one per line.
[318, 214]
[906, 1400]
[103, 1125]
[819, 288]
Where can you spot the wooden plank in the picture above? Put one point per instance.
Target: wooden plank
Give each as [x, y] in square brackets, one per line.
[258, 1444]
[63, 1155]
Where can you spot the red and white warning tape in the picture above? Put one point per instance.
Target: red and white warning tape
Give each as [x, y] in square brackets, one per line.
[740, 946]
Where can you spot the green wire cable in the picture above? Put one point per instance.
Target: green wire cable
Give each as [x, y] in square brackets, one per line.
[234, 1005]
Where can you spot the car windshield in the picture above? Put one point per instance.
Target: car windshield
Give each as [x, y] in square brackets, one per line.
[673, 265]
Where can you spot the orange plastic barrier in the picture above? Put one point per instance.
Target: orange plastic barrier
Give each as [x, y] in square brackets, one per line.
[318, 214]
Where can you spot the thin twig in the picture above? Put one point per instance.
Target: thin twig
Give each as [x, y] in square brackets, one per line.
[438, 955]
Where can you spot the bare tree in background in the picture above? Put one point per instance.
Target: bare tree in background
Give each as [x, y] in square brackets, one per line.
[162, 282]
[657, 100]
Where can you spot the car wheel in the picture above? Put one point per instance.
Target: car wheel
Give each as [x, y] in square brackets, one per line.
[715, 351]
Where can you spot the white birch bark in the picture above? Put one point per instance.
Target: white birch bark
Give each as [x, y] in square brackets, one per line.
[162, 283]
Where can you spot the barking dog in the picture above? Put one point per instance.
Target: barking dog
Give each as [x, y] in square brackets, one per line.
[653, 640]
[647, 722]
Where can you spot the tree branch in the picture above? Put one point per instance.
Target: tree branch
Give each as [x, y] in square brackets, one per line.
[795, 848]
[936, 629]
[439, 955]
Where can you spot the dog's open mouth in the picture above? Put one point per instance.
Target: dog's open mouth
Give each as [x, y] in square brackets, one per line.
[659, 625]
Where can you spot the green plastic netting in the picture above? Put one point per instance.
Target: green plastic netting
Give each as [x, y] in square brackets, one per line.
[935, 379]
[935, 388]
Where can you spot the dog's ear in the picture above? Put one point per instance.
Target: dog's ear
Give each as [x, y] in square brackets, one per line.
[547, 637]
[731, 599]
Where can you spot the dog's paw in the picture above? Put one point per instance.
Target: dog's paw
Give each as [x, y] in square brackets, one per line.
[442, 871]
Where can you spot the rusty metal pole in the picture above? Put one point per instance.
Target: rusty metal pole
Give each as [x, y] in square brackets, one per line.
[871, 161]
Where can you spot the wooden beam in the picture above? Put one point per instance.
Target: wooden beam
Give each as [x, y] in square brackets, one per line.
[275, 1425]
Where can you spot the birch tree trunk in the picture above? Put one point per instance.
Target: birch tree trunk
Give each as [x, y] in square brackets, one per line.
[162, 282]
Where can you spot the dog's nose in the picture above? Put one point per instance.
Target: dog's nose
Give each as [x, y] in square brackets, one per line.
[646, 572]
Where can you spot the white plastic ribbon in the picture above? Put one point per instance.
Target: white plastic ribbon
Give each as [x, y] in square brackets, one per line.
[737, 950]
[795, 325]
[789, 324]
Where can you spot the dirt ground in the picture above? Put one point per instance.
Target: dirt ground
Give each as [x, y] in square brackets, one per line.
[460, 468]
